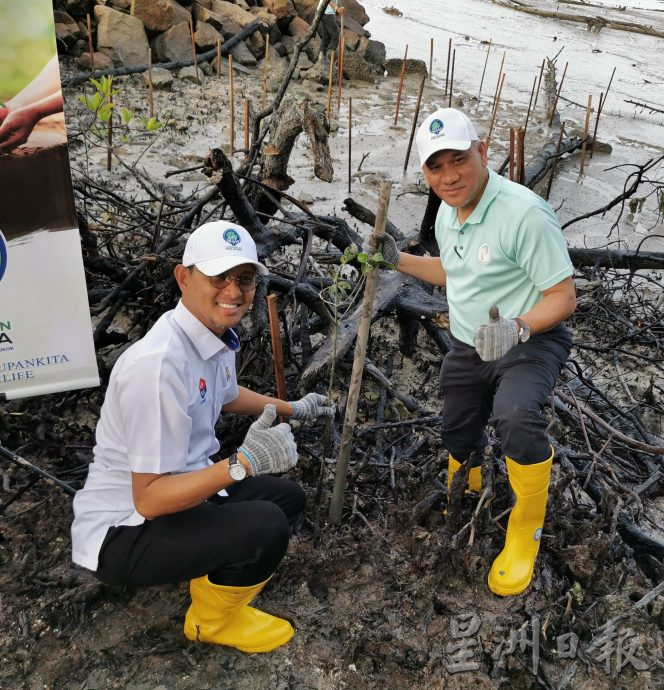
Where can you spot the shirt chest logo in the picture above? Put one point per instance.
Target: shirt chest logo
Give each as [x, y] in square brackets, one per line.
[202, 389]
[483, 254]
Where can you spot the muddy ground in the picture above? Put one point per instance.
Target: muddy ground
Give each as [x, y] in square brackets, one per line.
[394, 597]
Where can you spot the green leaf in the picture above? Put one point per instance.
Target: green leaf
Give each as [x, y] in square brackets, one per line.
[126, 115]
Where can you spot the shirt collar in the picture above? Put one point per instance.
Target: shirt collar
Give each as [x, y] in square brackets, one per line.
[203, 339]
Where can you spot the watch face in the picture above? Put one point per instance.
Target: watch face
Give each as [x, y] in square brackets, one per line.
[237, 471]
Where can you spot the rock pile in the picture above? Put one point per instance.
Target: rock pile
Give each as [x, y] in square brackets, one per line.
[124, 30]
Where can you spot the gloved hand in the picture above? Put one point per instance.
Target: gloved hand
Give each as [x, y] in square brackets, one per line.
[387, 247]
[496, 339]
[312, 406]
[269, 449]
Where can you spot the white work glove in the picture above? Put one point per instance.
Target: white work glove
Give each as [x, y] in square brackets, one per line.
[388, 249]
[269, 449]
[496, 339]
[312, 406]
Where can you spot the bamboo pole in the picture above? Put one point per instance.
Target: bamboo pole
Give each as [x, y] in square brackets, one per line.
[350, 138]
[403, 74]
[602, 101]
[511, 153]
[109, 150]
[447, 71]
[266, 62]
[452, 78]
[246, 125]
[586, 127]
[90, 48]
[486, 61]
[532, 93]
[539, 83]
[277, 353]
[336, 504]
[193, 48]
[412, 131]
[555, 102]
[218, 58]
[495, 110]
[500, 75]
[521, 155]
[329, 85]
[340, 61]
[555, 161]
[231, 84]
[132, 8]
[150, 85]
[431, 59]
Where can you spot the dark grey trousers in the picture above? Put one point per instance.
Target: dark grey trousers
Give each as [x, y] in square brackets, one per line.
[329, 33]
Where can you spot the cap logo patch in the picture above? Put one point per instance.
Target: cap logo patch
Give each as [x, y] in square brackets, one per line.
[436, 127]
[232, 236]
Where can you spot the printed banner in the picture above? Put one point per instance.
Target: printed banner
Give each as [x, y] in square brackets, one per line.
[46, 341]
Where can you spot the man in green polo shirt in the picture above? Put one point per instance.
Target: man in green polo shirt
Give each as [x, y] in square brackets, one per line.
[508, 278]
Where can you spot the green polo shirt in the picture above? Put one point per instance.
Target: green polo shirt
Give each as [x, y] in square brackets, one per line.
[508, 251]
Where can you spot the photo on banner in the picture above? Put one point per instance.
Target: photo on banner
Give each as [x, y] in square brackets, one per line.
[46, 343]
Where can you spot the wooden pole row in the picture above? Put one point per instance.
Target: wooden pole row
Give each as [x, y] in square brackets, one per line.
[403, 74]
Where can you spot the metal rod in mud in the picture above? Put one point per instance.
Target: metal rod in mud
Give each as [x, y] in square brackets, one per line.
[193, 48]
[511, 153]
[266, 62]
[90, 48]
[109, 150]
[412, 131]
[231, 85]
[532, 93]
[340, 61]
[539, 83]
[555, 102]
[336, 504]
[277, 352]
[495, 110]
[500, 75]
[350, 137]
[452, 78]
[521, 155]
[246, 125]
[486, 61]
[329, 85]
[218, 58]
[447, 71]
[403, 74]
[586, 127]
[150, 85]
[555, 161]
[431, 59]
[602, 101]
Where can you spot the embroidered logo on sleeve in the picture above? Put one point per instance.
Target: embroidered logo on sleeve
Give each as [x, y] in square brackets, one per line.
[228, 374]
[202, 388]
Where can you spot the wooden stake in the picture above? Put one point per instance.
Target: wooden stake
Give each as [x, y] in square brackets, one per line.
[586, 127]
[350, 138]
[452, 77]
[109, 150]
[500, 76]
[340, 61]
[447, 71]
[193, 48]
[495, 110]
[560, 88]
[132, 8]
[412, 131]
[246, 125]
[218, 58]
[431, 59]
[403, 74]
[336, 504]
[539, 83]
[602, 101]
[555, 161]
[90, 48]
[532, 92]
[266, 62]
[486, 61]
[511, 153]
[277, 353]
[231, 84]
[329, 85]
[521, 156]
[150, 85]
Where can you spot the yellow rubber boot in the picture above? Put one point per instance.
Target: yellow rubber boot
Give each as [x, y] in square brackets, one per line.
[220, 615]
[512, 570]
[474, 477]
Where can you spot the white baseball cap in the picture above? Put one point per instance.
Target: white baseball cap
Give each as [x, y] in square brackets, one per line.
[447, 128]
[217, 247]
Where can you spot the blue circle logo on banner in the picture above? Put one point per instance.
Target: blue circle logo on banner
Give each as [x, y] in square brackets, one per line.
[3, 255]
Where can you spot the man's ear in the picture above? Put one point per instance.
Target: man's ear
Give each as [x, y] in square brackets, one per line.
[483, 151]
[182, 276]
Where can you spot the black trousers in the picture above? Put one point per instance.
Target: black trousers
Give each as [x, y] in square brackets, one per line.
[510, 393]
[329, 32]
[237, 540]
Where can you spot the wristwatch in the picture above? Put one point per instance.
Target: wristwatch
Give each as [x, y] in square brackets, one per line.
[236, 469]
[524, 330]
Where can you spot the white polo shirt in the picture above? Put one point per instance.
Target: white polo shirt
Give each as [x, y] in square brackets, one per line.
[164, 396]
